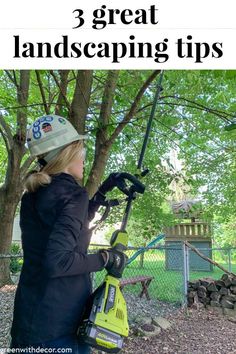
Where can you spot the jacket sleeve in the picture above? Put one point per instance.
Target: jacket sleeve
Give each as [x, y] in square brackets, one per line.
[60, 257]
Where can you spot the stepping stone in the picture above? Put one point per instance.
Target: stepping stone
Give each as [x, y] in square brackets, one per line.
[161, 322]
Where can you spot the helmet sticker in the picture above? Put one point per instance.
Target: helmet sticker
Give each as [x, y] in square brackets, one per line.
[49, 119]
[36, 129]
[36, 124]
[37, 135]
[46, 127]
[62, 121]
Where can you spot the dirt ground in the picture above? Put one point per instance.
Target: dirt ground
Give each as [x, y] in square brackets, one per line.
[195, 332]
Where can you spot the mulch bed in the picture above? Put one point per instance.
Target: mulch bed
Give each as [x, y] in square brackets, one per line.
[195, 332]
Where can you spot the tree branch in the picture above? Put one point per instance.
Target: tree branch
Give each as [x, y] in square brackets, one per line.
[106, 108]
[46, 108]
[60, 90]
[133, 108]
[194, 249]
[7, 131]
[199, 106]
[26, 165]
[108, 95]
[63, 90]
[12, 78]
[194, 105]
[5, 140]
[22, 97]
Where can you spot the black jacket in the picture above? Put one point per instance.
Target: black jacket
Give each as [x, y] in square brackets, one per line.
[54, 284]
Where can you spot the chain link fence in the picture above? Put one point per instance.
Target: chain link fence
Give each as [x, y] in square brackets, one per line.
[166, 285]
[224, 257]
[170, 268]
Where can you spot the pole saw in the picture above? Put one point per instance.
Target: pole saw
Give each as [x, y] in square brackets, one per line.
[105, 321]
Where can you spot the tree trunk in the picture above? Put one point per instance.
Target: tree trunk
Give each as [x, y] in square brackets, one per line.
[81, 99]
[97, 170]
[9, 198]
[103, 146]
[8, 206]
[11, 191]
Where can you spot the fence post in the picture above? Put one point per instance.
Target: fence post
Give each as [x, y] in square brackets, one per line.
[185, 271]
[229, 258]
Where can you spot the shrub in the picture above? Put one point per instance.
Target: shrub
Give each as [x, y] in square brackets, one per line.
[15, 263]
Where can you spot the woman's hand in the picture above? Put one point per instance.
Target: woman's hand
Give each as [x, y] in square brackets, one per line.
[115, 261]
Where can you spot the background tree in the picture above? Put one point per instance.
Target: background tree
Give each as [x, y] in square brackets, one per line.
[16, 166]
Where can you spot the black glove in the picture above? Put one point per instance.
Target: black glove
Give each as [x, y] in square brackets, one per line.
[109, 183]
[99, 197]
[115, 262]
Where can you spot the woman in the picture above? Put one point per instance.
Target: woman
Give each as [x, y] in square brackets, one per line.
[55, 284]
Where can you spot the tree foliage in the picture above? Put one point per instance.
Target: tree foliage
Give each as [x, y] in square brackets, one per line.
[193, 111]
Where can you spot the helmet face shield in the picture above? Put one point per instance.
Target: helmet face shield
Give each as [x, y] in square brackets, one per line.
[50, 132]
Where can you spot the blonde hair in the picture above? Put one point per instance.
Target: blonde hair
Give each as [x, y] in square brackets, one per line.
[57, 165]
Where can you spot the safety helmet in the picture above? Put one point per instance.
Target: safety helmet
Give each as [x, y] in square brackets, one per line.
[50, 132]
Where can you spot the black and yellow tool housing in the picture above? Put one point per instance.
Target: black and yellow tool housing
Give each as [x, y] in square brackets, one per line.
[105, 323]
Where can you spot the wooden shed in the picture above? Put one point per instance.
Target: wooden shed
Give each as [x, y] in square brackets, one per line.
[191, 229]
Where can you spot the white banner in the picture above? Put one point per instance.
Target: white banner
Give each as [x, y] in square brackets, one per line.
[167, 34]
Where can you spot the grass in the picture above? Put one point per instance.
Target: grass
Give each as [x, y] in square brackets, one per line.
[167, 285]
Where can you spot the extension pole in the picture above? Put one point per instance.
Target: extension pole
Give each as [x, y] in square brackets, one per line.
[149, 124]
[131, 197]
